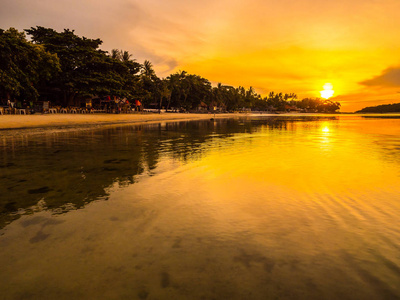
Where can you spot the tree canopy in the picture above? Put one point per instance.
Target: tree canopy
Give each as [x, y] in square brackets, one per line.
[64, 67]
[386, 108]
[23, 65]
[85, 69]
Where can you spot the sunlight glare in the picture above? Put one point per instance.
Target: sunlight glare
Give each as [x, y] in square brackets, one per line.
[328, 91]
[325, 129]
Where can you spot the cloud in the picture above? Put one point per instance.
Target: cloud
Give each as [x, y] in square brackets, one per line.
[389, 78]
[287, 45]
[367, 97]
[129, 25]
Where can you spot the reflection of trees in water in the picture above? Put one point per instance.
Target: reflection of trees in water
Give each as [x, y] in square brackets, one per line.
[64, 171]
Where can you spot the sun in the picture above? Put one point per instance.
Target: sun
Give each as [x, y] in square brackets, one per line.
[328, 91]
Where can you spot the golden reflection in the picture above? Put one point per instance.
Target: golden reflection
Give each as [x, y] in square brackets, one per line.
[325, 129]
[319, 161]
[269, 188]
[325, 138]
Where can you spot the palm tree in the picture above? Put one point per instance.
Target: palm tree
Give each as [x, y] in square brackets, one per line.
[116, 54]
[125, 56]
[147, 69]
[165, 91]
[177, 87]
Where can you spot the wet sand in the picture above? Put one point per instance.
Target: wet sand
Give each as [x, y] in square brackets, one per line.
[51, 121]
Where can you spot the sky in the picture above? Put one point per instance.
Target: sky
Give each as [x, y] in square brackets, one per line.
[289, 46]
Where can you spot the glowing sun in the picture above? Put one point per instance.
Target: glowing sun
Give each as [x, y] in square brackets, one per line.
[328, 91]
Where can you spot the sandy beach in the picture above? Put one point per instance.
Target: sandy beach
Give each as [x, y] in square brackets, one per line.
[52, 121]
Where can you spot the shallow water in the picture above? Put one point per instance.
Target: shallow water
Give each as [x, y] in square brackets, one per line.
[252, 208]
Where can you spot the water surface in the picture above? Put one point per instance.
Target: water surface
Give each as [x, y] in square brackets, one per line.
[252, 208]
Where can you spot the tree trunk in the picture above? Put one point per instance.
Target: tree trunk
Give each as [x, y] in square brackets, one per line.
[71, 99]
[169, 101]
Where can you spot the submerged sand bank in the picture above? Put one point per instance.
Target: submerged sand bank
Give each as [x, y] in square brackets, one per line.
[87, 120]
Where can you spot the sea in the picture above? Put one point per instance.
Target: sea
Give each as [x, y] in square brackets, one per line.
[254, 207]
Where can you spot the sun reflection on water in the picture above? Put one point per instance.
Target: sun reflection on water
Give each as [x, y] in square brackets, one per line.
[267, 206]
[325, 129]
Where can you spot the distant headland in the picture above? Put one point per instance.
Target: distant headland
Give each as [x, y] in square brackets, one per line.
[385, 108]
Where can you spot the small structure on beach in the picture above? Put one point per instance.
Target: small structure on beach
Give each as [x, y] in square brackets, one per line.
[202, 107]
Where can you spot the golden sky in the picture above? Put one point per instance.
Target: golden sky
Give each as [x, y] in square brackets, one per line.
[273, 45]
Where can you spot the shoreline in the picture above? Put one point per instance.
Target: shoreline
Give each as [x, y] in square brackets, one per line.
[40, 123]
[10, 122]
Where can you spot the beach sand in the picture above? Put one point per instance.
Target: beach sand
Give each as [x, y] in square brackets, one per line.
[52, 121]
[22, 125]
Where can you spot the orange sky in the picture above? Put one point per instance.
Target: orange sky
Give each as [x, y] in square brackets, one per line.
[282, 46]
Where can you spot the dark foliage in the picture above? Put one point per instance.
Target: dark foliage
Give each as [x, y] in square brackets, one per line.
[66, 68]
[386, 108]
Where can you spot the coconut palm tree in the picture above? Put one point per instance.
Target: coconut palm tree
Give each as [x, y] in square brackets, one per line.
[116, 54]
[125, 56]
[147, 70]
